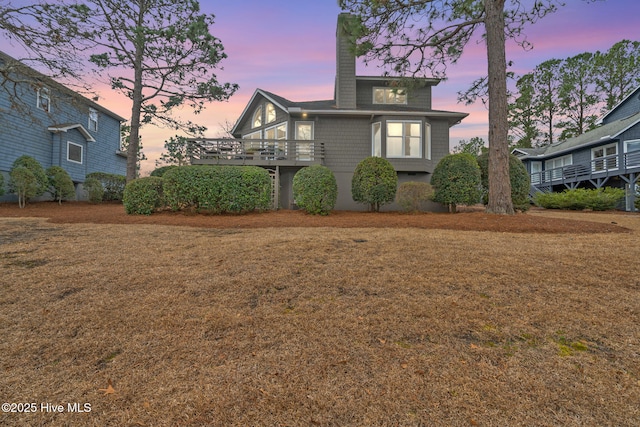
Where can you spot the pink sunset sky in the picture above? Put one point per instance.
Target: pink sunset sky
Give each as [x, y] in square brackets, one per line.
[288, 47]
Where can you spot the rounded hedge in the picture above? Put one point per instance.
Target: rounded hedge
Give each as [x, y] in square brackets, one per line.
[374, 182]
[143, 196]
[94, 189]
[61, 184]
[218, 189]
[520, 181]
[600, 199]
[413, 195]
[1, 184]
[456, 181]
[315, 189]
[162, 170]
[41, 183]
[23, 183]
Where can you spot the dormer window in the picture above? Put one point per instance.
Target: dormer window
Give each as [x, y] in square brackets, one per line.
[44, 101]
[271, 113]
[257, 117]
[386, 95]
[93, 120]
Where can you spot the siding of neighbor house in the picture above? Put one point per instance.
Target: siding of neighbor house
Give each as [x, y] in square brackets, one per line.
[28, 134]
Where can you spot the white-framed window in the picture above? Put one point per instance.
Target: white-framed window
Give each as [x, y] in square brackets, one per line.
[253, 135]
[257, 118]
[388, 95]
[93, 119]
[553, 167]
[632, 153]
[427, 140]
[304, 132]
[404, 139]
[604, 158]
[536, 168]
[74, 152]
[276, 132]
[44, 99]
[271, 113]
[376, 139]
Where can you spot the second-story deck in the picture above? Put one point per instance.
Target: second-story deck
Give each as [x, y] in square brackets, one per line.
[597, 172]
[257, 152]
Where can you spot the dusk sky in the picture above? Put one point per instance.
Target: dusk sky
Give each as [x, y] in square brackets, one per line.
[288, 47]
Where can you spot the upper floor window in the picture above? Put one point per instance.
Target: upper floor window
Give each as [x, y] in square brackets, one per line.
[257, 118]
[74, 152]
[271, 113]
[404, 139]
[93, 119]
[387, 95]
[44, 100]
[604, 158]
[276, 132]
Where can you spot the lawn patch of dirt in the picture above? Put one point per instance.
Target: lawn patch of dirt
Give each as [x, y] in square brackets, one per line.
[473, 219]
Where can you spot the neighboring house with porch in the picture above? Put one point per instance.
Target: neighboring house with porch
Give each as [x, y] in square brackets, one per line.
[608, 156]
[44, 119]
[377, 116]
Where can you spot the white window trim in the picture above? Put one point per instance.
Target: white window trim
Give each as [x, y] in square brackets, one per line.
[384, 98]
[386, 139]
[373, 139]
[44, 93]
[268, 106]
[93, 113]
[604, 160]
[69, 143]
[257, 114]
[636, 161]
[286, 131]
[313, 129]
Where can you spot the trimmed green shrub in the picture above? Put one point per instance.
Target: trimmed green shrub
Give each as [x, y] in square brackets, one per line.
[1, 184]
[162, 170]
[412, 195]
[315, 189]
[94, 189]
[456, 181]
[374, 182]
[61, 185]
[112, 184]
[637, 202]
[599, 199]
[520, 181]
[218, 189]
[36, 188]
[23, 183]
[143, 196]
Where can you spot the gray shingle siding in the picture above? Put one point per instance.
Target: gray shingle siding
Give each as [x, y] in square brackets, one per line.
[626, 108]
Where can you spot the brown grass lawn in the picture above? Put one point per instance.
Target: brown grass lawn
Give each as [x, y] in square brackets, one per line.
[328, 325]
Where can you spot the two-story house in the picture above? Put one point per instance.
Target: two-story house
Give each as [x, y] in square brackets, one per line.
[368, 116]
[44, 119]
[606, 156]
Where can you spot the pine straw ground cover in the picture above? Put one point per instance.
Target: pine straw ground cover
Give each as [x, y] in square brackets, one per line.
[156, 325]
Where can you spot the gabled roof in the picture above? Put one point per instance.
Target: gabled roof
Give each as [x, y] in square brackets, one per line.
[66, 127]
[596, 136]
[4, 58]
[601, 119]
[328, 107]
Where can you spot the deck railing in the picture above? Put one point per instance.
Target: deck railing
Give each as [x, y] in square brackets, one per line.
[254, 151]
[596, 168]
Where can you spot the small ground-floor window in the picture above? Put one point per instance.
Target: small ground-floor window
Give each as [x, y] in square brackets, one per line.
[74, 152]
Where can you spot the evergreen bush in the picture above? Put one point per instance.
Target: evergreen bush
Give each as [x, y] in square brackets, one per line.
[94, 190]
[315, 189]
[112, 184]
[218, 189]
[162, 170]
[520, 181]
[27, 185]
[1, 184]
[61, 185]
[143, 196]
[374, 182]
[412, 196]
[457, 181]
[599, 199]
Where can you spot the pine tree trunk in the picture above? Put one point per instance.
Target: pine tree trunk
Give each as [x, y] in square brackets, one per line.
[499, 183]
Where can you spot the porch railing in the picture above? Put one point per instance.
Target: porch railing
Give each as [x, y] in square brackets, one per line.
[254, 151]
[602, 166]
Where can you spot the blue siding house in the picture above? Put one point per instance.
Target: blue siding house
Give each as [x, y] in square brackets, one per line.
[606, 156]
[389, 117]
[55, 125]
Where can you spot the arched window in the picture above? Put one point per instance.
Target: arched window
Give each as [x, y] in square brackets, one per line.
[271, 113]
[257, 117]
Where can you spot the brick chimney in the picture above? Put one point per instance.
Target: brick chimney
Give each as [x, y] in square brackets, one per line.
[345, 65]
